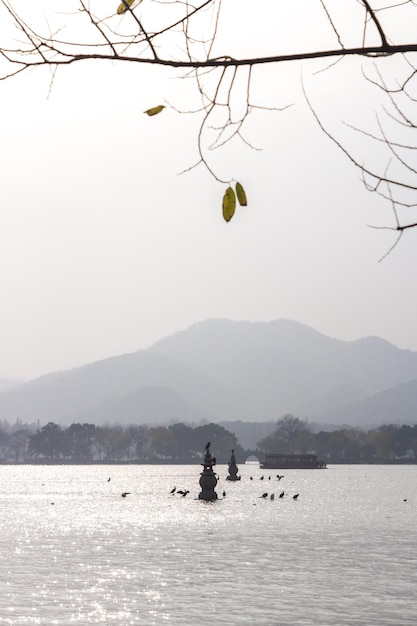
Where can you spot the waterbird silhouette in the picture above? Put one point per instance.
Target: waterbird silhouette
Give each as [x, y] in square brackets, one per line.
[173, 490]
[281, 495]
[264, 495]
[185, 493]
[269, 478]
[108, 480]
[251, 477]
[261, 478]
[224, 494]
[296, 496]
[272, 496]
[125, 493]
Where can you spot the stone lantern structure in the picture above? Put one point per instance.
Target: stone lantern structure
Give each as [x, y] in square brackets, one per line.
[208, 479]
[233, 469]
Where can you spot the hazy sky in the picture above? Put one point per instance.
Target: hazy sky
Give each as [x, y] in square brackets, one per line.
[104, 248]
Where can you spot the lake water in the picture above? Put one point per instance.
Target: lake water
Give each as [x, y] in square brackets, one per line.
[73, 551]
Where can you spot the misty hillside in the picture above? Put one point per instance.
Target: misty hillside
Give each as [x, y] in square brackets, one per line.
[135, 385]
[8, 383]
[150, 404]
[221, 370]
[285, 367]
[396, 405]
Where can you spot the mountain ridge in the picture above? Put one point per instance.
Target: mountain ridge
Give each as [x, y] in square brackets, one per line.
[223, 370]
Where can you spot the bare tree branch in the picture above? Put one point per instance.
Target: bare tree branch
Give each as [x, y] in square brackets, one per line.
[199, 37]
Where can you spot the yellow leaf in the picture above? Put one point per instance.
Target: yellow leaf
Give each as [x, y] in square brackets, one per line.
[155, 110]
[241, 195]
[229, 204]
[122, 8]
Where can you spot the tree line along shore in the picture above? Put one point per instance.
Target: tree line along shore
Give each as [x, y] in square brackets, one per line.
[183, 443]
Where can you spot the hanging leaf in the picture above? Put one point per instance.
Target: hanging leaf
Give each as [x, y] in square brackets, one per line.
[122, 8]
[155, 110]
[241, 195]
[229, 204]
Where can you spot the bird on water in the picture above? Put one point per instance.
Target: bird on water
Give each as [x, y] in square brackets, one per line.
[264, 495]
[296, 496]
[173, 490]
[281, 495]
[125, 493]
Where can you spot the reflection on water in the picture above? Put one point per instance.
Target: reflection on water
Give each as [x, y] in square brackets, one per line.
[73, 551]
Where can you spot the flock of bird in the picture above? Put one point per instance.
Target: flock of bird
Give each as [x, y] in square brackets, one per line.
[184, 492]
[281, 495]
[265, 495]
[269, 477]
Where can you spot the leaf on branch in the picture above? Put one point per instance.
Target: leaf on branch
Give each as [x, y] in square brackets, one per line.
[229, 204]
[241, 195]
[155, 110]
[123, 7]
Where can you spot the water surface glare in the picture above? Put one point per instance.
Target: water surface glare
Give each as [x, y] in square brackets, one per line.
[73, 551]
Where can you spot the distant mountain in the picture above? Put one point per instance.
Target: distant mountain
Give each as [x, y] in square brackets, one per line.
[103, 391]
[145, 405]
[225, 371]
[396, 405]
[283, 367]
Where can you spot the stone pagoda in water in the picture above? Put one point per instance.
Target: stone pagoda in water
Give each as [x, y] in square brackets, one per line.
[233, 469]
[208, 479]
